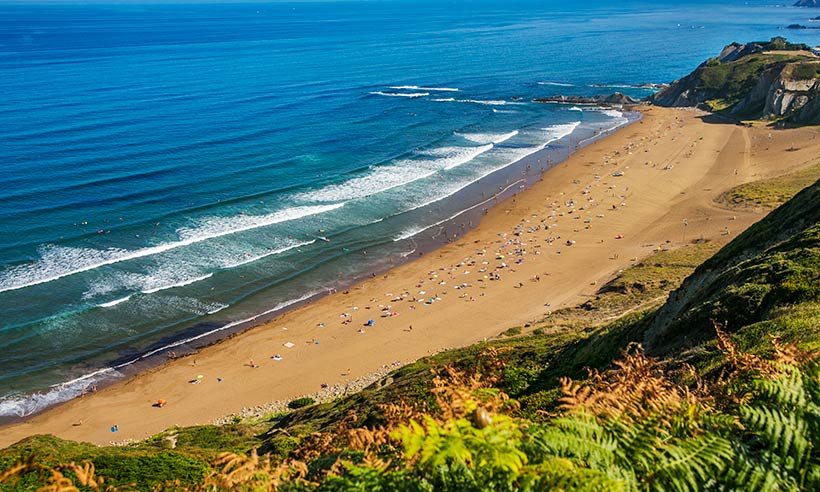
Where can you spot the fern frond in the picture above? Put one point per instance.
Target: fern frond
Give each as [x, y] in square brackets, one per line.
[688, 464]
[785, 434]
[786, 390]
[578, 436]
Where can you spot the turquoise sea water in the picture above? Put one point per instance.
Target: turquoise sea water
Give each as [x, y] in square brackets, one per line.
[168, 172]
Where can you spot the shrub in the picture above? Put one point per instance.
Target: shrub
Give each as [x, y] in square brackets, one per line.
[301, 402]
[511, 332]
[517, 379]
[804, 71]
[147, 470]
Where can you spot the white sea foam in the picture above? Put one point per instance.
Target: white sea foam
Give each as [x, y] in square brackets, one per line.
[575, 108]
[618, 118]
[619, 122]
[551, 134]
[400, 94]
[416, 230]
[114, 302]
[24, 405]
[217, 308]
[177, 284]
[557, 132]
[420, 88]
[614, 113]
[383, 178]
[488, 102]
[58, 262]
[560, 84]
[254, 258]
[485, 138]
[171, 273]
[620, 86]
[213, 227]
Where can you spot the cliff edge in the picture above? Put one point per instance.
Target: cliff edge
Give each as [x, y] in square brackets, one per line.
[773, 80]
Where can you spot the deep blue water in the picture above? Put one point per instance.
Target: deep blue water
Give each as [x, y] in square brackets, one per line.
[169, 170]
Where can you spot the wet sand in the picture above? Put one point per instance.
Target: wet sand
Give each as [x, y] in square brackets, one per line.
[650, 185]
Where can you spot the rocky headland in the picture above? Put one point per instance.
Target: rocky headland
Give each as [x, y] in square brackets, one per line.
[773, 80]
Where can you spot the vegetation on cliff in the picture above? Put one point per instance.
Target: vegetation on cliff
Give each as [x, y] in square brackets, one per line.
[774, 80]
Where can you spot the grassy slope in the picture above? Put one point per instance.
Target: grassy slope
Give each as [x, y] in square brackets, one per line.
[767, 281]
[770, 193]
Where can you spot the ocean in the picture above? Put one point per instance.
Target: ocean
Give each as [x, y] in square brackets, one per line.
[170, 174]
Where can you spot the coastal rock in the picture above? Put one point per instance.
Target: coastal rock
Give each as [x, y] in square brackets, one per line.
[611, 99]
[736, 51]
[753, 80]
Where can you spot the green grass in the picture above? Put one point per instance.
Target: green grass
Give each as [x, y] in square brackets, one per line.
[730, 82]
[511, 332]
[121, 466]
[770, 193]
[205, 440]
[804, 70]
[148, 470]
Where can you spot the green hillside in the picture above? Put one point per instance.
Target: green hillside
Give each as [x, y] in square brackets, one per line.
[773, 80]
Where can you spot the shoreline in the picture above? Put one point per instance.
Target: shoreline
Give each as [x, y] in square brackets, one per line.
[645, 207]
[207, 333]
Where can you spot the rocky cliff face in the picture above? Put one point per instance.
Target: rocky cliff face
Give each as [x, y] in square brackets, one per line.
[796, 100]
[752, 81]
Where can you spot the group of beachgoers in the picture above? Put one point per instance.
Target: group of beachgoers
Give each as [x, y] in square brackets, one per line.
[496, 261]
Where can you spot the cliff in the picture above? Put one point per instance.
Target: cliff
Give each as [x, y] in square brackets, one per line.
[775, 81]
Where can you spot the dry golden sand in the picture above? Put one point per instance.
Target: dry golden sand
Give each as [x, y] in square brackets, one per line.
[674, 164]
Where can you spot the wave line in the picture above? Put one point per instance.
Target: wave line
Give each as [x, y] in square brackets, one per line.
[9, 281]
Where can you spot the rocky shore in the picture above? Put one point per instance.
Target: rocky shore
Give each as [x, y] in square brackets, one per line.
[600, 100]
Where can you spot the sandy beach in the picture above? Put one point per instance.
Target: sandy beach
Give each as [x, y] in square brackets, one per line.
[650, 185]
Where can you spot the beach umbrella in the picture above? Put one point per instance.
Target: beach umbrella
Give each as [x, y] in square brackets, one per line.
[199, 376]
